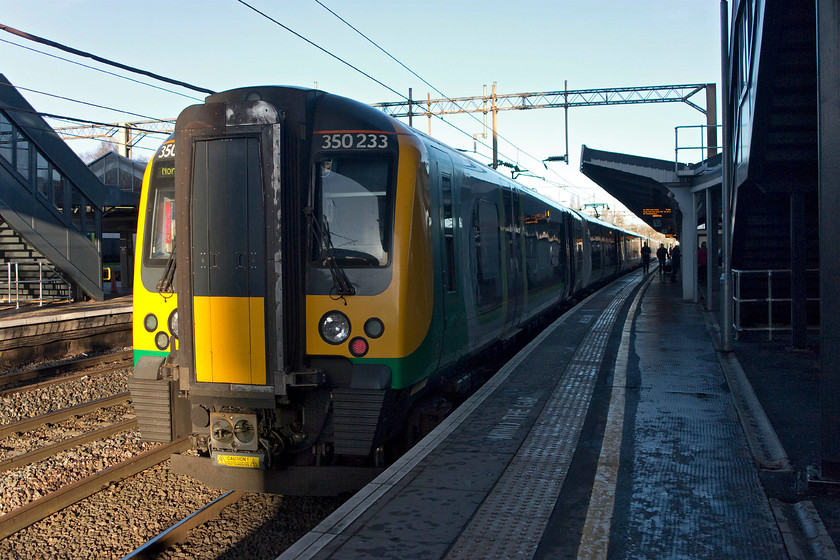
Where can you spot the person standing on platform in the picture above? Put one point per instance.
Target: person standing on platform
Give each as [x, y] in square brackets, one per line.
[645, 258]
[675, 262]
[661, 255]
[702, 263]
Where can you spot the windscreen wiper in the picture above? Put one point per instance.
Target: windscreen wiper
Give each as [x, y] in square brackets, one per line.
[165, 284]
[322, 233]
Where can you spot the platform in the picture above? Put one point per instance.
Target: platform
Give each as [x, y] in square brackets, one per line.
[36, 333]
[614, 434]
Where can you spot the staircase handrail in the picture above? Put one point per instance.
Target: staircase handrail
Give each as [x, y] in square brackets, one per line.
[14, 265]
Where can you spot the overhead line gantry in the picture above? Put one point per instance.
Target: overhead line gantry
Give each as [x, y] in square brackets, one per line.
[129, 133]
[564, 99]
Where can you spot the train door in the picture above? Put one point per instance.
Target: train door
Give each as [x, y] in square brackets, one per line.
[569, 249]
[228, 261]
[581, 261]
[453, 320]
[621, 251]
[513, 265]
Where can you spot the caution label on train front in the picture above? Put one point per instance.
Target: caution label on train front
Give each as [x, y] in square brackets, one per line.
[241, 461]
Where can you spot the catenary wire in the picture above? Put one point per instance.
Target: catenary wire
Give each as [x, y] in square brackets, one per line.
[415, 74]
[9, 108]
[320, 48]
[357, 69]
[102, 70]
[84, 102]
[78, 52]
[338, 58]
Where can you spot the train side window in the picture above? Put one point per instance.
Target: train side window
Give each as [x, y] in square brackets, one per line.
[488, 275]
[448, 233]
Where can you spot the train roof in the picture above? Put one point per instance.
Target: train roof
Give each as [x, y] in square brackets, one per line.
[296, 91]
[513, 183]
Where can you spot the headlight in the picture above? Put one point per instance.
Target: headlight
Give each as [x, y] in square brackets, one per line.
[161, 340]
[173, 323]
[150, 322]
[334, 327]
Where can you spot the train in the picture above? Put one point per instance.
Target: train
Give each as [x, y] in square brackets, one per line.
[309, 270]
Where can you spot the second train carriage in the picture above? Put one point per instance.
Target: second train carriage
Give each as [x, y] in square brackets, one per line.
[331, 265]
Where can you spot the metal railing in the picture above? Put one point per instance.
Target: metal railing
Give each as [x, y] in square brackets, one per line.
[14, 283]
[764, 297]
[703, 147]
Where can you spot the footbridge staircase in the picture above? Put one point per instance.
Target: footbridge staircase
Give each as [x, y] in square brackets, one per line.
[50, 210]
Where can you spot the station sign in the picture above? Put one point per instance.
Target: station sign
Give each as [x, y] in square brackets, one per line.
[656, 212]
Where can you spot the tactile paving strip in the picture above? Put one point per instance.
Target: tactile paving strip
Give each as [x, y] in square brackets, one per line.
[511, 521]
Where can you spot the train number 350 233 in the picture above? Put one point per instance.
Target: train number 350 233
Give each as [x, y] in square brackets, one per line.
[355, 140]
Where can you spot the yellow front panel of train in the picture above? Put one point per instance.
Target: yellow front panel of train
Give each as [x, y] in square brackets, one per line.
[229, 340]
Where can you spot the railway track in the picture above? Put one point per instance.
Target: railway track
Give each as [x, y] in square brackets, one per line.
[64, 445]
[66, 369]
[53, 417]
[67, 495]
[178, 532]
[85, 430]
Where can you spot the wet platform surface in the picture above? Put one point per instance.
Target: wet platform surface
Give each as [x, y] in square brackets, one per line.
[618, 433]
[688, 486]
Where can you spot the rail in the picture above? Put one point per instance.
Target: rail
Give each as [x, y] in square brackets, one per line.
[115, 361]
[28, 424]
[180, 531]
[766, 295]
[48, 504]
[14, 282]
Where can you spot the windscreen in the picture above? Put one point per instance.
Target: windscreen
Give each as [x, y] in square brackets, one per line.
[355, 199]
[162, 223]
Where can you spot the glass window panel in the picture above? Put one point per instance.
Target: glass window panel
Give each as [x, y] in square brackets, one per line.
[356, 208]
[42, 177]
[58, 190]
[22, 155]
[84, 215]
[487, 257]
[163, 224]
[90, 221]
[6, 139]
[125, 179]
[112, 172]
[77, 201]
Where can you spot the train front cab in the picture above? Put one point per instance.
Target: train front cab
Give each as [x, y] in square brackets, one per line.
[369, 322]
[308, 341]
[160, 414]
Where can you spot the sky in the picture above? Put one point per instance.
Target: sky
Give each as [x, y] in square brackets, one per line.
[457, 46]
